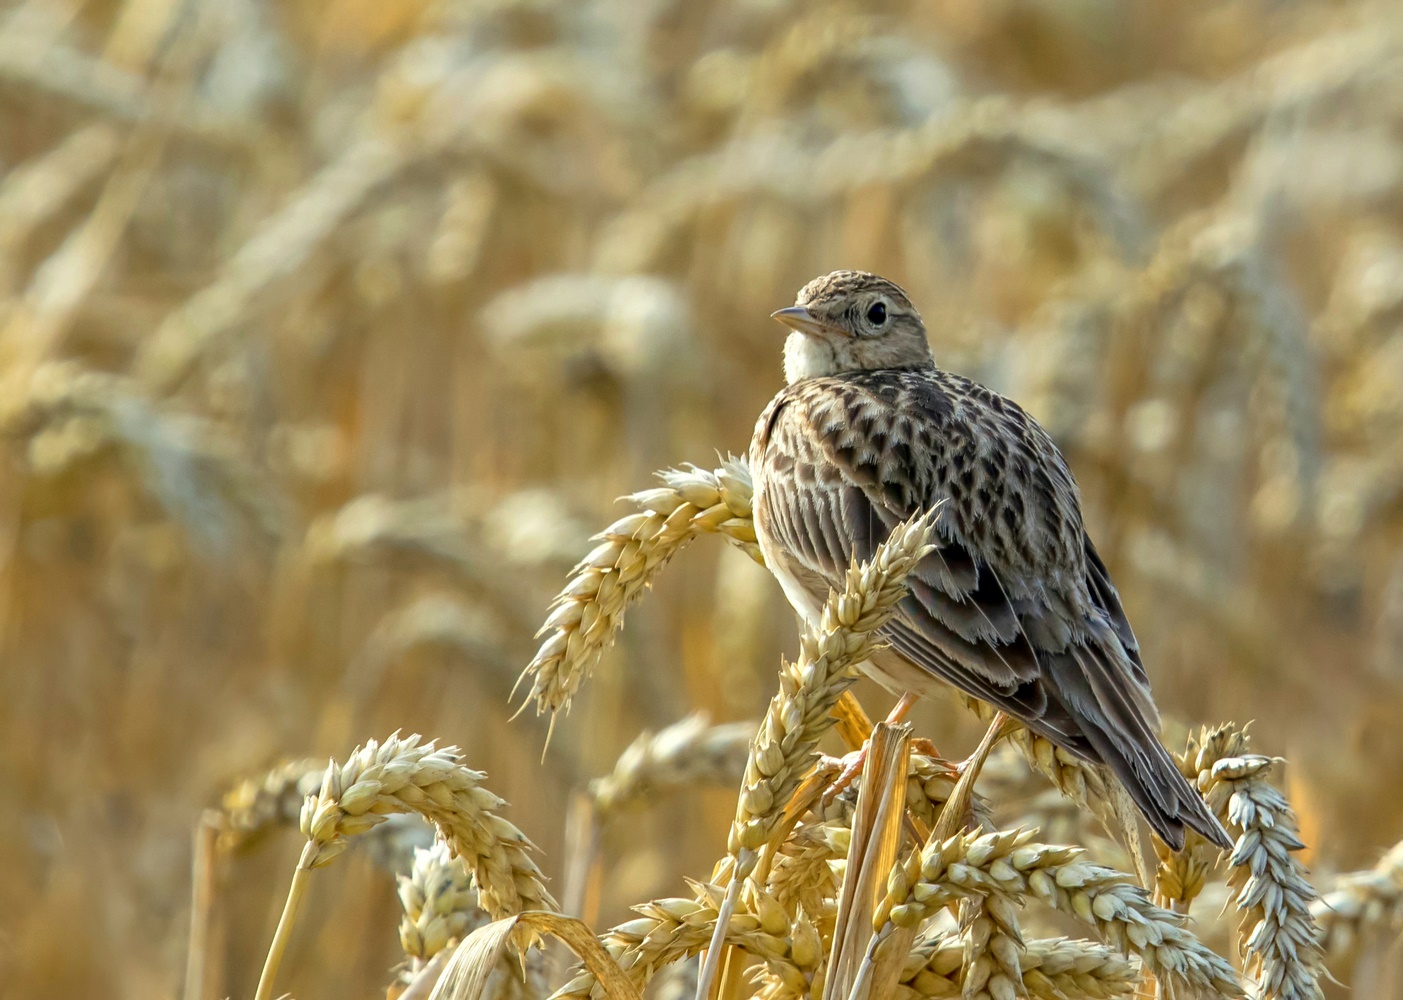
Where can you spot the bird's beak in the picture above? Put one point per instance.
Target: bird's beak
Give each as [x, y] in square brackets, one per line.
[800, 319]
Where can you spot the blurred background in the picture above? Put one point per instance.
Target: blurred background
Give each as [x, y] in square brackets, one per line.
[331, 329]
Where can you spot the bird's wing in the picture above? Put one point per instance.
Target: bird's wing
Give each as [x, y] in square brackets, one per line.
[1106, 597]
[846, 460]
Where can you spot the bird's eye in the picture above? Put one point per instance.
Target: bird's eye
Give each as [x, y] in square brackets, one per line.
[877, 313]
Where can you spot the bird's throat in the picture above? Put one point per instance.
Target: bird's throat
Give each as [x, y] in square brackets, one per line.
[806, 356]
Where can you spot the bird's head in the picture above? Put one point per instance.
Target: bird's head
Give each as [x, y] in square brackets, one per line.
[852, 321]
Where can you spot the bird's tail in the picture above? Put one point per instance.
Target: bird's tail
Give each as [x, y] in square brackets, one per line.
[1161, 793]
[1116, 717]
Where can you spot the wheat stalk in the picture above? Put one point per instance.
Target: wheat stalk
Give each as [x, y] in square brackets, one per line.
[623, 565]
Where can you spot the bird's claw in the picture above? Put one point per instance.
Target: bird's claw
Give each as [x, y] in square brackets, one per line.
[853, 764]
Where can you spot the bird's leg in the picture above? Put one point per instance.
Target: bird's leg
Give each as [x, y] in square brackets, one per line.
[1001, 726]
[853, 762]
[901, 709]
[958, 813]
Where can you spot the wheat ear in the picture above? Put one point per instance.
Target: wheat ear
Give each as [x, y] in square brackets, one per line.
[1278, 934]
[668, 930]
[1280, 940]
[1053, 969]
[830, 650]
[254, 806]
[1359, 903]
[402, 775]
[786, 743]
[680, 757]
[623, 565]
[440, 906]
[970, 864]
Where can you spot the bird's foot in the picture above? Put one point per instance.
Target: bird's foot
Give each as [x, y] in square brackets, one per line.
[852, 765]
[854, 762]
[924, 747]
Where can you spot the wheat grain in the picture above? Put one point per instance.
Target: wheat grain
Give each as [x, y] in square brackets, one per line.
[992, 967]
[993, 946]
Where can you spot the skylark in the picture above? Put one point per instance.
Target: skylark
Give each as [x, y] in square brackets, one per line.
[1015, 607]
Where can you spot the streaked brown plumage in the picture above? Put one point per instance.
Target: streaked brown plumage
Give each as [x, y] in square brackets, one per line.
[1015, 607]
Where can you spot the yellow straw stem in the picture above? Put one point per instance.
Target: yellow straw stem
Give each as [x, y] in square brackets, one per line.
[295, 892]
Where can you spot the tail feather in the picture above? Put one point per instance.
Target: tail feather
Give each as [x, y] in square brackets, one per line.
[1110, 716]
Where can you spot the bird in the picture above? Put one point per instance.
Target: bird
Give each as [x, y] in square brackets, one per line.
[1014, 606]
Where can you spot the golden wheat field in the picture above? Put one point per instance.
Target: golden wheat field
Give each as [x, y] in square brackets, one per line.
[332, 332]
